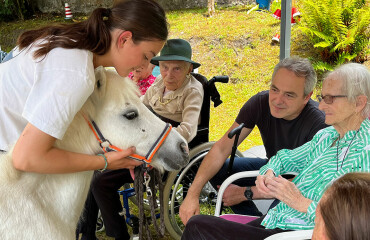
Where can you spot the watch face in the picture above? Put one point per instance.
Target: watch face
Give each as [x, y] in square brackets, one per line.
[248, 194]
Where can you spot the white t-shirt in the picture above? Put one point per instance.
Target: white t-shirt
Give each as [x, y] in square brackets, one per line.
[46, 92]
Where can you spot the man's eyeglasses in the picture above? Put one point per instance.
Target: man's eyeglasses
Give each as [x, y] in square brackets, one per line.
[328, 99]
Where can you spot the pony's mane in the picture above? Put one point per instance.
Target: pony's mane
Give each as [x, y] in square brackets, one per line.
[126, 85]
[114, 89]
[122, 89]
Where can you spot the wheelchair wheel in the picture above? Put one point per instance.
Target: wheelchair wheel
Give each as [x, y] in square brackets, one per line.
[177, 185]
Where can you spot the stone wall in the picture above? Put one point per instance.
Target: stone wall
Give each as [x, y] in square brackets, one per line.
[86, 6]
[185, 4]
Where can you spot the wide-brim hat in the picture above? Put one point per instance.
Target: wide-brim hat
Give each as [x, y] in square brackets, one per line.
[175, 50]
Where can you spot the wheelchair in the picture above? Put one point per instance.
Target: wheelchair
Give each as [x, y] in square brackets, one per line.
[178, 182]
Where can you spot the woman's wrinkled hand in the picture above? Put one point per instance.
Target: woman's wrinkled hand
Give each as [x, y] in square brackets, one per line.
[262, 184]
[287, 192]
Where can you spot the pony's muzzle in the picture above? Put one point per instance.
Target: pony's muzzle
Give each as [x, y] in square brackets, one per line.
[184, 148]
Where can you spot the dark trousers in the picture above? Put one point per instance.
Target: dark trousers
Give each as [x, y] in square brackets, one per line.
[240, 165]
[205, 227]
[103, 195]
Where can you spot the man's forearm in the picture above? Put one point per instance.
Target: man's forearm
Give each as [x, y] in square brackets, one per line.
[211, 164]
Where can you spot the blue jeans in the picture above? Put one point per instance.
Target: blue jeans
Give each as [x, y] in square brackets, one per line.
[5, 56]
[240, 165]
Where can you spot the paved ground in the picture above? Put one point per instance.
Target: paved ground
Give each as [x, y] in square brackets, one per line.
[257, 151]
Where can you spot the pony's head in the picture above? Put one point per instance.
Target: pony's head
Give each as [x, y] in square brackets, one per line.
[125, 121]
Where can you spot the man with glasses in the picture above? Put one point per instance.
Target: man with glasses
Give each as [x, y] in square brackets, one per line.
[286, 118]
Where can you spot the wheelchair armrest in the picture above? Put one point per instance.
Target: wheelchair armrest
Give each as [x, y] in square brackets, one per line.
[227, 182]
[230, 180]
[293, 235]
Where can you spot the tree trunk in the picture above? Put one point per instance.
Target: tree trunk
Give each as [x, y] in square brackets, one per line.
[211, 7]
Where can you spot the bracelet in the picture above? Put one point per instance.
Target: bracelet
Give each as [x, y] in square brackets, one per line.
[106, 162]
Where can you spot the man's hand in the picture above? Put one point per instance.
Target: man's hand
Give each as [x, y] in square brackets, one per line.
[189, 208]
[287, 192]
[233, 195]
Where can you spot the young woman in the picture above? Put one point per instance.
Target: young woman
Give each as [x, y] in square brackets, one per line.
[344, 211]
[51, 75]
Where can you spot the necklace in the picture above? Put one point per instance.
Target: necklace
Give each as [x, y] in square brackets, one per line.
[345, 154]
[160, 99]
[164, 102]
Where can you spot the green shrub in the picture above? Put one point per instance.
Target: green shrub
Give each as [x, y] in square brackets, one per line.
[16, 9]
[338, 29]
[276, 4]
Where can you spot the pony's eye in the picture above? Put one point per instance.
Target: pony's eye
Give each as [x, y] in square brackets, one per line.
[130, 115]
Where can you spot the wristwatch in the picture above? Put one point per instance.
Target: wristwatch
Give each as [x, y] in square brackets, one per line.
[248, 194]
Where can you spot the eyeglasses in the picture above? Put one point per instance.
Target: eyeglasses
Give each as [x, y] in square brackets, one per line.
[328, 99]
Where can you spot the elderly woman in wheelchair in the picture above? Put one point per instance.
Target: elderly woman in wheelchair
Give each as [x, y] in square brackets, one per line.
[176, 97]
[334, 151]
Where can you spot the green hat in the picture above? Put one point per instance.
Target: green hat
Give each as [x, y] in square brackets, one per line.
[175, 49]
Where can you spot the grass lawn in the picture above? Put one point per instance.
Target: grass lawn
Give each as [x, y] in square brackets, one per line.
[231, 43]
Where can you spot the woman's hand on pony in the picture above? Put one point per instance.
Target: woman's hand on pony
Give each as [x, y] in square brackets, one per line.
[119, 160]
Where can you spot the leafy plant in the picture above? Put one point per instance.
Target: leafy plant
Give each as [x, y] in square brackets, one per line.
[338, 29]
[16, 9]
[275, 4]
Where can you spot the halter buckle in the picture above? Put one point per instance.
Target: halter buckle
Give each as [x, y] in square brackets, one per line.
[105, 144]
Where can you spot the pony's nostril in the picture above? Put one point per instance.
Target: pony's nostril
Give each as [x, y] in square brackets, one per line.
[184, 148]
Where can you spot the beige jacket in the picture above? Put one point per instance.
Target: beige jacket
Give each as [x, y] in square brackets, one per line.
[182, 105]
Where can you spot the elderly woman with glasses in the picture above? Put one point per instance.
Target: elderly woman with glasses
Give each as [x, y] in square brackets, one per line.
[334, 151]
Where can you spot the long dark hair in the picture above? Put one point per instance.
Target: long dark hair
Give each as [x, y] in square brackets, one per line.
[146, 20]
[345, 208]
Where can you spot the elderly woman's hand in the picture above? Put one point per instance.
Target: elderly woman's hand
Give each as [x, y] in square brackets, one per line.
[287, 192]
[261, 185]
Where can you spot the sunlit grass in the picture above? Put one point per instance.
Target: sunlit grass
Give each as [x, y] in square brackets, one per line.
[231, 43]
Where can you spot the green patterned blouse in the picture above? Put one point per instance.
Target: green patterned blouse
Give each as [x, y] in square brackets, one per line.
[318, 164]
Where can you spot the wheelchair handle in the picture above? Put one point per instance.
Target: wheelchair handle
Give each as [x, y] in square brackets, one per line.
[223, 79]
[236, 130]
[211, 88]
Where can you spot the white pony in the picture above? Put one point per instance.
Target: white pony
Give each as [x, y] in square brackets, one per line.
[48, 206]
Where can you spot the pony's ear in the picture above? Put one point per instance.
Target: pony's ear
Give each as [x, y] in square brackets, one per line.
[100, 78]
[100, 83]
